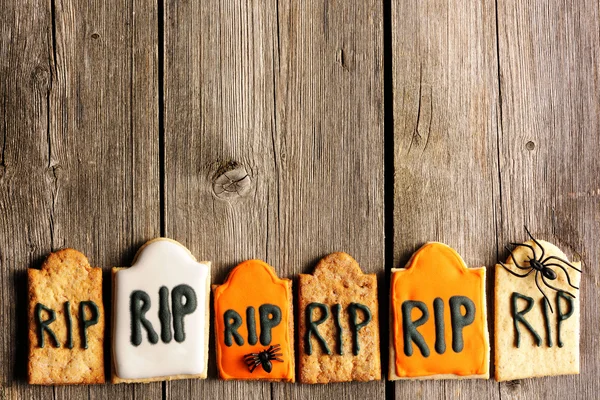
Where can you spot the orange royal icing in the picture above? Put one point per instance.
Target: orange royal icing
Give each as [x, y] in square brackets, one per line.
[253, 283]
[436, 270]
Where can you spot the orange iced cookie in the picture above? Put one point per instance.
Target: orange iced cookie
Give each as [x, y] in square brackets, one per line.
[438, 307]
[254, 324]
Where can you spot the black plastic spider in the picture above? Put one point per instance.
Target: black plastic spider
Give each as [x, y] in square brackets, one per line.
[541, 266]
[263, 358]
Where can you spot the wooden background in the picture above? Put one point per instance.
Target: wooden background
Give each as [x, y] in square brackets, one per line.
[285, 130]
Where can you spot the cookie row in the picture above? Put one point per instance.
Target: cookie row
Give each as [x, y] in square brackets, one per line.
[438, 318]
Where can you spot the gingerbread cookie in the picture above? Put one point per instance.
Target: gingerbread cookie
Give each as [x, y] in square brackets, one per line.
[536, 312]
[439, 324]
[161, 315]
[339, 323]
[254, 324]
[66, 321]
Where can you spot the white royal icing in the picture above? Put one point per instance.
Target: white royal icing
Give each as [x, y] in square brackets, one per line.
[160, 263]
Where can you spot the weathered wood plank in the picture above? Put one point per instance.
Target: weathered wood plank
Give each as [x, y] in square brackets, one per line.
[218, 113]
[549, 143]
[329, 144]
[25, 179]
[445, 128]
[80, 159]
[291, 96]
[104, 144]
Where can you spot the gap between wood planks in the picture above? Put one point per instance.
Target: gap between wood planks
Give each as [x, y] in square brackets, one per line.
[388, 194]
[161, 128]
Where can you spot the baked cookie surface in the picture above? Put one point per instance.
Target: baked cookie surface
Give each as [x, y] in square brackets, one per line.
[254, 324]
[66, 321]
[533, 336]
[161, 315]
[338, 323]
[438, 317]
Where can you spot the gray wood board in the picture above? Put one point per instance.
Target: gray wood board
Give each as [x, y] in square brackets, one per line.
[274, 145]
[80, 165]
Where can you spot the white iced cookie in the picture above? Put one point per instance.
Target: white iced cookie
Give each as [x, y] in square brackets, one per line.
[160, 315]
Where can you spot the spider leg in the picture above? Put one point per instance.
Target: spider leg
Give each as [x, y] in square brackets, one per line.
[550, 286]
[541, 291]
[514, 273]
[561, 260]
[526, 245]
[566, 274]
[278, 359]
[254, 366]
[536, 242]
[514, 259]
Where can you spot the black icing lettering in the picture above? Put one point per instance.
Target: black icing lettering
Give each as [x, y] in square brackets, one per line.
[86, 323]
[562, 316]
[270, 317]
[69, 321]
[409, 327]
[43, 326]
[355, 326]
[518, 317]
[337, 309]
[311, 327]
[545, 307]
[438, 316]
[164, 315]
[181, 309]
[232, 321]
[251, 324]
[139, 304]
[459, 321]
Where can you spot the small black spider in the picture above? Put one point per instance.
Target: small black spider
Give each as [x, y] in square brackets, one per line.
[263, 358]
[541, 266]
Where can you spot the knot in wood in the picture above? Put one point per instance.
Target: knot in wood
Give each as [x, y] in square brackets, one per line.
[231, 181]
[40, 77]
[530, 145]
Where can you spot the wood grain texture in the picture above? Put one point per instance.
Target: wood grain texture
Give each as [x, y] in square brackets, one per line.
[289, 95]
[80, 154]
[548, 147]
[445, 127]
[273, 148]
[25, 179]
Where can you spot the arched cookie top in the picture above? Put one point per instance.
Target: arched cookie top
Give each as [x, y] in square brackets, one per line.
[522, 253]
[424, 258]
[253, 269]
[164, 243]
[162, 253]
[567, 278]
[337, 265]
[66, 259]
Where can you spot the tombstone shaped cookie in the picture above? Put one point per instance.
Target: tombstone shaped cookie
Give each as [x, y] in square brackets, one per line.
[254, 324]
[66, 321]
[161, 315]
[339, 323]
[439, 324]
[536, 312]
